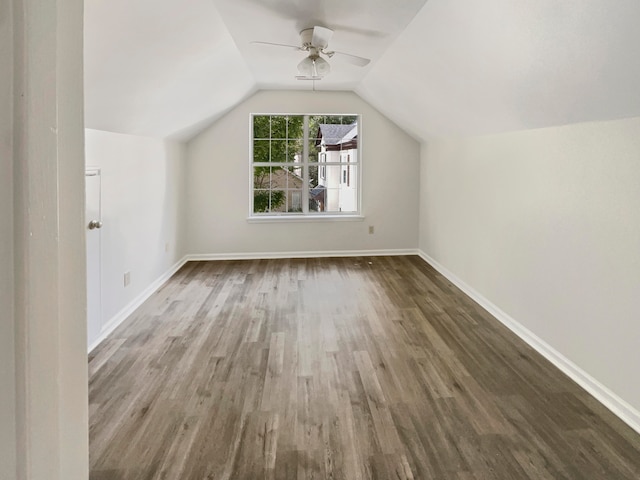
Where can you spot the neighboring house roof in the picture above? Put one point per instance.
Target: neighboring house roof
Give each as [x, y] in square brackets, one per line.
[333, 134]
[317, 193]
[336, 135]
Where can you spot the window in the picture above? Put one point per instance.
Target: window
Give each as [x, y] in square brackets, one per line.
[304, 165]
[296, 201]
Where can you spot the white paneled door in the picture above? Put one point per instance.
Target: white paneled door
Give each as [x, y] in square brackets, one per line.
[93, 226]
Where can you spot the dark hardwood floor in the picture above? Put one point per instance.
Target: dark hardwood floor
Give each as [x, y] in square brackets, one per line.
[336, 368]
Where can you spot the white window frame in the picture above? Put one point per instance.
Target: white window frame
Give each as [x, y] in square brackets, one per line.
[306, 214]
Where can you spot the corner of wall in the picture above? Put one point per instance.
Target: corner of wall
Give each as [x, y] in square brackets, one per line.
[539, 223]
[600, 392]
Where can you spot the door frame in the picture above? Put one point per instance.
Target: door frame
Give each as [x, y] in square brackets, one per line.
[91, 171]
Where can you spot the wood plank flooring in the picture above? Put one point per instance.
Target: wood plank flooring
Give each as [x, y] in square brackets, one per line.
[336, 368]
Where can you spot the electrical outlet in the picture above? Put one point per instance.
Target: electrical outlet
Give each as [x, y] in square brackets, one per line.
[127, 278]
[370, 229]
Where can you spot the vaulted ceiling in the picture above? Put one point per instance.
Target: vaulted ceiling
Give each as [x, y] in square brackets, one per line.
[439, 67]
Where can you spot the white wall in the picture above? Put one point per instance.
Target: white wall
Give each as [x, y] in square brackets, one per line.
[218, 184]
[142, 181]
[545, 224]
[7, 332]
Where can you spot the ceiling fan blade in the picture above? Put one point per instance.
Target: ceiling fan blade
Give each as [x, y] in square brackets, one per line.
[295, 47]
[321, 37]
[353, 59]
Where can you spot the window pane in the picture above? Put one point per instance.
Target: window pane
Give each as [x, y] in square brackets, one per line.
[294, 151]
[337, 192]
[285, 177]
[314, 122]
[348, 200]
[317, 198]
[278, 178]
[278, 126]
[262, 177]
[277, 199]
[340, 200]
[348, 119]
[295, 128]
[332, 175]
[352, 178]
[313, 175]
[260, 201]
[293, 177]
[265, 201]
[332, 200]
[278, 151]
[261, 126]
[261, 150]
[294, 201]
[314, 151]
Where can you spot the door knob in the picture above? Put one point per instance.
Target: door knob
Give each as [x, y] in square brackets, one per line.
[95, 224]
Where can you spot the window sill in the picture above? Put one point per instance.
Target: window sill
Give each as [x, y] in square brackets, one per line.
[304, 218]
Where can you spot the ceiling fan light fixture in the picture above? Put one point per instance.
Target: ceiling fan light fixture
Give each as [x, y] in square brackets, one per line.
[313, 67]
[306, 67]
[322, 66]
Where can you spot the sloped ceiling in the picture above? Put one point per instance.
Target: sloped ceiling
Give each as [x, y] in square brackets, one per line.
[464, 67]
[445, 67]
[159, 67]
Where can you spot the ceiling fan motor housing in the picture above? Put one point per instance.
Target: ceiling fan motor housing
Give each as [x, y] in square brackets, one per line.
[306, 37]
[317, 37]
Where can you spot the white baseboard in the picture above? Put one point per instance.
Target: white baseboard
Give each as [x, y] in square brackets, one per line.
[122, 315]
[314, 254]
[617, 405]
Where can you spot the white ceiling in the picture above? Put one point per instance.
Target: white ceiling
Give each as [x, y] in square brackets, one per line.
[444, 67]
[464, 67]
[159, 67]
[361, 27]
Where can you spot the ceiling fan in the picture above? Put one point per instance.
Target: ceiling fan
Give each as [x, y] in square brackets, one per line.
[315, 41]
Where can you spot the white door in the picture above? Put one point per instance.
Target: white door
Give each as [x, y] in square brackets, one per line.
[93, 224]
